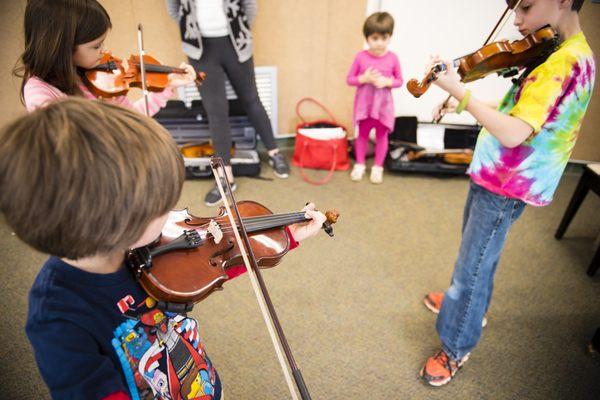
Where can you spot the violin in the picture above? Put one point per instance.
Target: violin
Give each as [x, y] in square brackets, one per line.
[501, 57]
[450, 156]
[201, 149]
[464, 157]
[111, 79]
[188, 262]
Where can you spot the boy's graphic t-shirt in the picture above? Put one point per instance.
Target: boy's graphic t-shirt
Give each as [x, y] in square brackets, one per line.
[99, 334]
[553, 100]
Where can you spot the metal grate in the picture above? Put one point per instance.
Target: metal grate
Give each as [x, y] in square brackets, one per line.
[266, 83]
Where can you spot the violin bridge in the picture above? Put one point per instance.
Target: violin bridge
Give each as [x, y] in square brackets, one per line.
[215, 230]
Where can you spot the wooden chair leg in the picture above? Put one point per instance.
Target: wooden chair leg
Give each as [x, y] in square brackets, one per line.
[580, 193]
[594, 345]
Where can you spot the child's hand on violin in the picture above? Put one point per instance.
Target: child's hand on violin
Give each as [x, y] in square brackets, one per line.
[448, 80]
[445, 107]
[176, 80]
[301, 231]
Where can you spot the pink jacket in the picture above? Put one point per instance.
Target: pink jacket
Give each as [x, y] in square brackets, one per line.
[38, 93]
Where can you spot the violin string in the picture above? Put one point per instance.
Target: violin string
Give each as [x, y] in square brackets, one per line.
[262, 225]
[266, 218]
[160, 68]
[254, 226]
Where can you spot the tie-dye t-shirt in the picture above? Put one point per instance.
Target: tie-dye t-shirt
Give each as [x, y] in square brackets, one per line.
[553, 100]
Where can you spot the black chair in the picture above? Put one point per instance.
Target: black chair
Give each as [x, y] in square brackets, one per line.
[589, 180]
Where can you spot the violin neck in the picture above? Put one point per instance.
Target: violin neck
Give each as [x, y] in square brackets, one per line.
[256, 224]
[106, 67]
[442, 67]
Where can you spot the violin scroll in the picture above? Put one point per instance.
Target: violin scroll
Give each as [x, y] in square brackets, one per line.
[417, 88]
[332, 217]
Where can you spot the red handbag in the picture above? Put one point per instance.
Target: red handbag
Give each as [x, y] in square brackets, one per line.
[326, 147]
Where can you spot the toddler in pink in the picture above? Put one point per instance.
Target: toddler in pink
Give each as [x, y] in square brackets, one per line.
[374, 72]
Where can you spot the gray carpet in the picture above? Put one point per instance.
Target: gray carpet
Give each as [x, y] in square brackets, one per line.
[352, 307]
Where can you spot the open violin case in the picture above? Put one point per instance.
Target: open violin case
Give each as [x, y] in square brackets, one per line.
[189, 125]
[404, 139]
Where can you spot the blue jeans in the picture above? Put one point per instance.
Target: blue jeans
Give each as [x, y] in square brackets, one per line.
[486, 221]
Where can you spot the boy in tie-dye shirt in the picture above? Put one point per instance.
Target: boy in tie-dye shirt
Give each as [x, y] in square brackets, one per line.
[519, 158]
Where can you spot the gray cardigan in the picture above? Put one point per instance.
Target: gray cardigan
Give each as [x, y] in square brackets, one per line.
[240, 15]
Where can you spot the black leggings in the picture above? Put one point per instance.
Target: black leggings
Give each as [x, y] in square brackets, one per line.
[218, 60]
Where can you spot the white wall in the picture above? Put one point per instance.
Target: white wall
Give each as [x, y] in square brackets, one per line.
[451, 29]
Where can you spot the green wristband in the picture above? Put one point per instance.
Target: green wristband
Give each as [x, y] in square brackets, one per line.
[463, 103]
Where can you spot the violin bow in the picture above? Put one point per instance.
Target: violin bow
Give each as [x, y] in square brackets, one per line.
[513, 4]
[143, 68]
[258, 284]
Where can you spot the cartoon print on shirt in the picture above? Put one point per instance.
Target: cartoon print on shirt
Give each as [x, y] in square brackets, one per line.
[161, 354]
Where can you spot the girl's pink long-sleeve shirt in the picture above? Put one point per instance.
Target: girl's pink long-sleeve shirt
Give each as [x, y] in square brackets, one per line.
[37, 93]
[369, 101]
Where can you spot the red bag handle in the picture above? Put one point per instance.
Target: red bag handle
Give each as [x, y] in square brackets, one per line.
[310, 99]
[329, 174]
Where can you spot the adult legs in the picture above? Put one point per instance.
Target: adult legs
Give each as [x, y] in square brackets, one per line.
[243, 81]
[214, 100]
[213, 96]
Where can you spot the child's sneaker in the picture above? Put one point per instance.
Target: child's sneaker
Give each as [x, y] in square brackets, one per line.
[357, 172]
[376, 174]
[433, 301]
[439, 369]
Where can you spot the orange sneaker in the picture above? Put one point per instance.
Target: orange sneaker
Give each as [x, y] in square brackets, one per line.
[439, 369]
[433, 301]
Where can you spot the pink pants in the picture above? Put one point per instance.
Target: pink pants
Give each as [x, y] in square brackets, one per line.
[362, 141]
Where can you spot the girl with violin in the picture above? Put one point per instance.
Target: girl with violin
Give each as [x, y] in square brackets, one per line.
[95, 331]
[519, 158]
[63, 40]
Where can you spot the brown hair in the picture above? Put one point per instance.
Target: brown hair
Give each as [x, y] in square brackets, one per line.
[52, 30]
[576, 6]
[83, 177]
[379, 22]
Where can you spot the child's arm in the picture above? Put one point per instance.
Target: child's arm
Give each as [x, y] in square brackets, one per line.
[38, 93]
[397, 79]
[157, 100]
[510, 131]
[296, 233]
[448, 107]
[353, 74]
[305, 230]
[393, 81]
[70, 362]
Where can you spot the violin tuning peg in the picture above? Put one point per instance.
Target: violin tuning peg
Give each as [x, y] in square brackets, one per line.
[328, 228]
